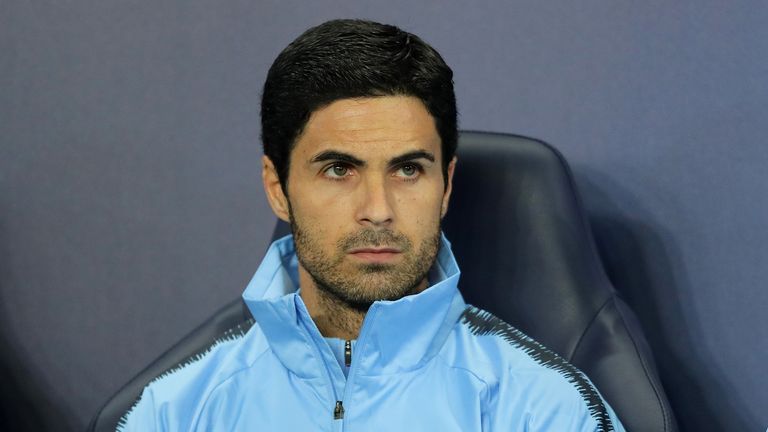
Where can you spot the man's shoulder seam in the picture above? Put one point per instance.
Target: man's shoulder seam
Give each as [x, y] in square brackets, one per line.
[483, 323]
[228, 378]
[232, 334]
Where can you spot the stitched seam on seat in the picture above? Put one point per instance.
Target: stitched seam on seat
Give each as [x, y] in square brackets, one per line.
[587, 327]
[664, 412]
[643, 364]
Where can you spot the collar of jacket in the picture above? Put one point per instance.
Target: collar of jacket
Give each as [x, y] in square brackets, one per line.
[397, 336]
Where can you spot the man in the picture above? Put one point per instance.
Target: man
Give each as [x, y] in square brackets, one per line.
[358, 321]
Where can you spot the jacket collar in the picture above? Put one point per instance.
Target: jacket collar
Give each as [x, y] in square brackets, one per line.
[396, 336]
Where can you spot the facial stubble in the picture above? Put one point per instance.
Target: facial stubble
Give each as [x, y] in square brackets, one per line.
[358, 285]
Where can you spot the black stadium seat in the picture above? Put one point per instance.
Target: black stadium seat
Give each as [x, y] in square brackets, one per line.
[526, 252]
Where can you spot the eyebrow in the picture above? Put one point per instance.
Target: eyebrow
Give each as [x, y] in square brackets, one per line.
[418, 154]
[333, 155]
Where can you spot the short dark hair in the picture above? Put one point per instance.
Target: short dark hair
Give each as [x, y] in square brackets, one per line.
[347, 58]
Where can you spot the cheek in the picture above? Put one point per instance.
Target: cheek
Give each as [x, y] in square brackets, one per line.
[316, 203]
[419, 213]
[318, 219]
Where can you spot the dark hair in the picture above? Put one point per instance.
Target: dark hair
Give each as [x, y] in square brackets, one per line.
[342, 59]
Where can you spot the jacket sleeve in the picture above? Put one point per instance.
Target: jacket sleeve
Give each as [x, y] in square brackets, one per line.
[547, 401]
[142, 417]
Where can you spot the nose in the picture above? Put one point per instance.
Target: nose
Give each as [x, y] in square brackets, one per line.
[375, 207]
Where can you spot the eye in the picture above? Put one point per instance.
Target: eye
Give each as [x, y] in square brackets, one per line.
[408, 171]
[336, 171]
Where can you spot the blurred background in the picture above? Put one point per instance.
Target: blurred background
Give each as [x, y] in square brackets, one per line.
[131, 205]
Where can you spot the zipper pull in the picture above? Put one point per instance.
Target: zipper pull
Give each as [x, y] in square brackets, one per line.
[338, 411]
[348, 352]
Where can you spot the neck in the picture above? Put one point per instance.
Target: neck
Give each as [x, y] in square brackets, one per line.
[332, 316]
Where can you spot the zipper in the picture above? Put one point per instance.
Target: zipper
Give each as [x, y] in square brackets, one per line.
[338, 411]
[367, 323]
[347, 352]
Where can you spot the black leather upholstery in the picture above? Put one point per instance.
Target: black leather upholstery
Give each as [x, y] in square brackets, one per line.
[527, 255]
[526, 252]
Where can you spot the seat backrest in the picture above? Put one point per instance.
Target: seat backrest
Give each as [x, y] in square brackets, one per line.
[526, 253]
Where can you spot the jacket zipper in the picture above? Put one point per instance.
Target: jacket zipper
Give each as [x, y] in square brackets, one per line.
[338, 410]
[347, 352]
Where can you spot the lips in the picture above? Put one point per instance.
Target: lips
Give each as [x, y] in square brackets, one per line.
[374, 250]
[375, 254]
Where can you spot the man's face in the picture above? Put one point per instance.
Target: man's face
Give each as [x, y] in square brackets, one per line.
[365, 197]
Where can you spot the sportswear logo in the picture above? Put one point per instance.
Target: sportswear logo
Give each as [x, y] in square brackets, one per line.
[482, 323]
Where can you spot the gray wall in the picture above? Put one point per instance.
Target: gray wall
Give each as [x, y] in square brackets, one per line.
[130, 202]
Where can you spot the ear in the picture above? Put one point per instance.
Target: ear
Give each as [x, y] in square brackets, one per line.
[274, 190]
[448, 186]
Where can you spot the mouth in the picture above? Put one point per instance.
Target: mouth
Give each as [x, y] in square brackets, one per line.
[375, 254]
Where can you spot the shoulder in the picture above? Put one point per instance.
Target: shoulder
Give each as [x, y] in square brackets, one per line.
[520, 372]
[181, 391]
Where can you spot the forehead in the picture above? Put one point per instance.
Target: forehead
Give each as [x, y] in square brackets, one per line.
[370, 127]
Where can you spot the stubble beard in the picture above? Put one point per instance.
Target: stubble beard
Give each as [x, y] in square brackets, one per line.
[358, 285]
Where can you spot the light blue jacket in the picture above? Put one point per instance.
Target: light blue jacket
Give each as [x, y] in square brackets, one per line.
[426, 362]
